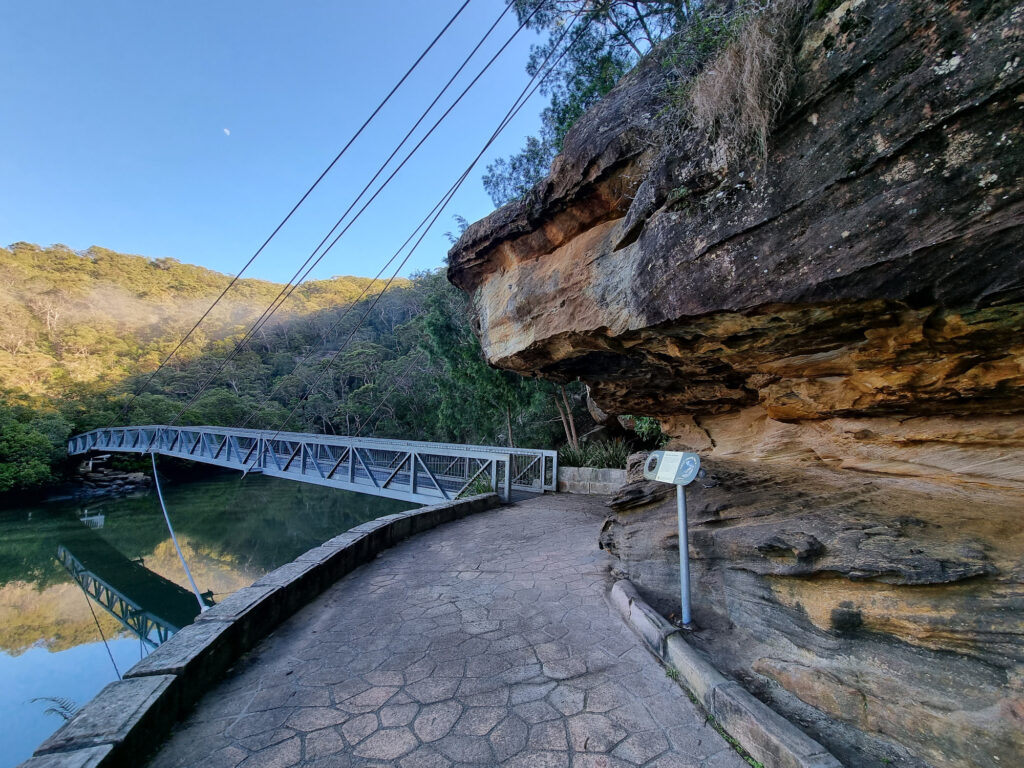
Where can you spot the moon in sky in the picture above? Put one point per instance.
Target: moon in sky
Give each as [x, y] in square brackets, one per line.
[227, 131]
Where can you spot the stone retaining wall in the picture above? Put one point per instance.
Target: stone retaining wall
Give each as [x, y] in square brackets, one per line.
[589, 480]
[131, 716]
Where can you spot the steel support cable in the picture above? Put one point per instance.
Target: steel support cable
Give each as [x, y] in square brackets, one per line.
[300, 276]
[156, 480]
[436, 209]
[296, 279]
[527, 93]
[337, 323]
[524, 97]
[100, 629]
[369, 309]
[419, 144]
[302, 200]
[517, 105]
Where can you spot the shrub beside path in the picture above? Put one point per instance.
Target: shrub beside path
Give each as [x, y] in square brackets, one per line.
[484, 642]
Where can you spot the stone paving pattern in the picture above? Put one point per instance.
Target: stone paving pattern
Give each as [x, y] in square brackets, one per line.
[488, 641]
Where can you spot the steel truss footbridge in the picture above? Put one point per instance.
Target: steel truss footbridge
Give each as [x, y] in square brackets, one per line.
[424, 473]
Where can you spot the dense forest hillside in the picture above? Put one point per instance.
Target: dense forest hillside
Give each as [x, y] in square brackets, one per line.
[81, 332]
[70, 316]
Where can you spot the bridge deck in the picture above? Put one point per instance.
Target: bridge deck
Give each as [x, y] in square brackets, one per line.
[420, 472]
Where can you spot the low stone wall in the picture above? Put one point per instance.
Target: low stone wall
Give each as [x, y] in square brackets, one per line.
[589, 480]
[131, 716]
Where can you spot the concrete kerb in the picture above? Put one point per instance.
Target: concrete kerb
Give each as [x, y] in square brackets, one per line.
[87, 757]
[767, 736]
[131, 716]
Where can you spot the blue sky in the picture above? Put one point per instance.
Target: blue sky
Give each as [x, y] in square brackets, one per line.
[117, 117]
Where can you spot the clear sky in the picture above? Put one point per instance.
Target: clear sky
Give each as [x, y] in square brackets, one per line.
[188, 129]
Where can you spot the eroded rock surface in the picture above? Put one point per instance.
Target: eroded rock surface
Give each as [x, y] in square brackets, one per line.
[870, 610]
[840, 327]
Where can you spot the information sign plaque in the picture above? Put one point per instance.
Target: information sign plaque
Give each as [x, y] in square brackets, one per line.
[680, 469]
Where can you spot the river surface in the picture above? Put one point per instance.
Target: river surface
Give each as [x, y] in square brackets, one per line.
[58, 647]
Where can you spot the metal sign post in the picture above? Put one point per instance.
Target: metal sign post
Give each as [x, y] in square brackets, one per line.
[679, 469]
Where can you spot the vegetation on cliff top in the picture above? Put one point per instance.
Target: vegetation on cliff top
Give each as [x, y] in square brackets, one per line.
[608, 40]
[731, 64]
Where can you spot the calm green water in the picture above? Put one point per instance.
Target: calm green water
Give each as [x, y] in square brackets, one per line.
[232, 530]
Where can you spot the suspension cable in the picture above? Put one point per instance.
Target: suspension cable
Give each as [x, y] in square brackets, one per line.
[100, 630]
[156, 479]
[306, 268]
[285, 220]
[401, 379]
[517, 106]
[337, 323]
[531, 88]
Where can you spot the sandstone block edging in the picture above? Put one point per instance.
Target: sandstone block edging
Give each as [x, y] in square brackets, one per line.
[130, 716]
[766, 735]
[123, 716]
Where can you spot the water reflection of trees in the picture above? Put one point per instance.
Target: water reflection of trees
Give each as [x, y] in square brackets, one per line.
[232, 529]
[256, 522]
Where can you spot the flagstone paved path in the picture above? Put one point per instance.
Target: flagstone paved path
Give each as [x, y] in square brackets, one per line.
[484, 642]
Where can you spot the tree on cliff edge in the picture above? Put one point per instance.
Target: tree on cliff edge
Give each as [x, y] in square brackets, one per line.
[607, 40]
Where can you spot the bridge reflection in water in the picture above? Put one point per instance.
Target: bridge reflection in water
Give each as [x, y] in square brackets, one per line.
[424, 473]
[145, 603]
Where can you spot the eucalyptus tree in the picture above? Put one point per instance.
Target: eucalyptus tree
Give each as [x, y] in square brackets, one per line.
[606, 39]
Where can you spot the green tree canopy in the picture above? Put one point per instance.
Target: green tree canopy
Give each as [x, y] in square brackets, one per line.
[608, 38]
[29, 444]
[414, 369]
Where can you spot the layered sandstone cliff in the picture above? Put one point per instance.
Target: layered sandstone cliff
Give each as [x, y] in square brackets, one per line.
[840, 330]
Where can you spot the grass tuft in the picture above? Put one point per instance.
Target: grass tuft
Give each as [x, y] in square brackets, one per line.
[734, 69]
[742, 90]
[602, 454]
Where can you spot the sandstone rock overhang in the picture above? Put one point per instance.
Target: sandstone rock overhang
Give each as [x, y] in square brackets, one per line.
[871, 266]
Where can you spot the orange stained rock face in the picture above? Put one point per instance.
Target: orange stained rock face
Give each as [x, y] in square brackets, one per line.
[971, 619]
[532, 299]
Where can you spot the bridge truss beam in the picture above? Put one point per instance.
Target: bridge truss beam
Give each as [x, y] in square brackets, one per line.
[152, 629]
[424, 473]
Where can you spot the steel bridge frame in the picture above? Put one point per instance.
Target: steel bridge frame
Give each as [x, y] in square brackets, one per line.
[421, 472]
[133, 617]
